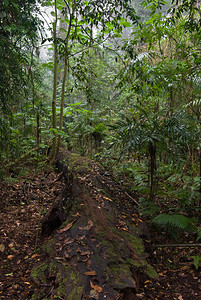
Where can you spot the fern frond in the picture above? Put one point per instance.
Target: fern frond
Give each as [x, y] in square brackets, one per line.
[167, 222]
[198, 234]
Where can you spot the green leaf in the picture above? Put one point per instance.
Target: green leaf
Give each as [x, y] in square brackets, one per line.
[198, 234]
[109, 25]
[49, 65]
[75, 104]
[117, 35]
[196, 261]
[62, 29]
[53, 13]
[6, 2]
[43, 146]
[125, 23]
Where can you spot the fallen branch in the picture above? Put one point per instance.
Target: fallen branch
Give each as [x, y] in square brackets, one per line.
[22, 157]
[177, 245]
[131, 198]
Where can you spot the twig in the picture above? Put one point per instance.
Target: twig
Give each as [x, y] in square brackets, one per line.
[177, 245]
[131, 198]
[59, 176]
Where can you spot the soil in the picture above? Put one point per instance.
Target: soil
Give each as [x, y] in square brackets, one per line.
[25, 201]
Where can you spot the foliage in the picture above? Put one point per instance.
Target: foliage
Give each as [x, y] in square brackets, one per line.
[173, 223]
[19, 75]
[196, 261]
[127, 92]
[199, 234]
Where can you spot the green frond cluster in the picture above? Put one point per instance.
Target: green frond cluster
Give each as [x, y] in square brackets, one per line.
[173, 222]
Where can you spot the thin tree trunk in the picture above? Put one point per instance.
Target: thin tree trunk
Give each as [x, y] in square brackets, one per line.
[152, 153]
[200, 180]
[54, 115]
[65, 76]
[38, 129]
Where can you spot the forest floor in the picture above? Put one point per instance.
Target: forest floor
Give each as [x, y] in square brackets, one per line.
[27, 197]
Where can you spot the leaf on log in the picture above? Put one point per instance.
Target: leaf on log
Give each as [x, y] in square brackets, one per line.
[90, 273]
[66, 228]
[96, 287]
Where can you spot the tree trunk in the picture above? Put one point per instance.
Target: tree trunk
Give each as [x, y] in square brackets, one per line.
[200, 179]
[38, 129]
[65, 76]
[152, 153]
[52, 156]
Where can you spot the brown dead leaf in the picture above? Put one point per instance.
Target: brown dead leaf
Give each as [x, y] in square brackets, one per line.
[10, 256]
[90, 224]
[85, 253]
[2, 247]
[33, 256]
[76, 215]
[66, 228]
[107, 198]
[67, 241]
[96, 287]
[67, 255]
[90, 273]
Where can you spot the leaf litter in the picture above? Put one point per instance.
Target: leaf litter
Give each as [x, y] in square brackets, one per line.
[22, 205]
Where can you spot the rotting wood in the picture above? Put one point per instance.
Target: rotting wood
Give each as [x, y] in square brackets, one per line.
[89, 241]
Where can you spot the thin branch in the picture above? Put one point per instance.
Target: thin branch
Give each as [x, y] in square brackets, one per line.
[131, 198]
[177, 245]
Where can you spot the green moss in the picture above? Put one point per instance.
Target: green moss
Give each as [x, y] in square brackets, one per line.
[76, 293]
[49, 247]
[61, 291]
[36, 296]
[73, 277]
[120, 275]
[135, 242]
[78, 163]
[101, 234]
[39, 273]
[134, 263]
[149, 270]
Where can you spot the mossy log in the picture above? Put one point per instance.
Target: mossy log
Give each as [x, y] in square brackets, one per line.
[94, 250]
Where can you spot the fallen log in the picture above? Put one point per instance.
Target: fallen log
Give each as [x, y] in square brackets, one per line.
[93, 250]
